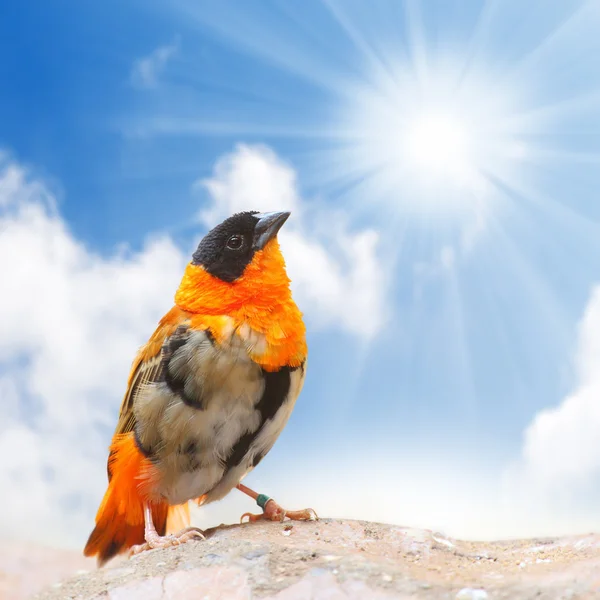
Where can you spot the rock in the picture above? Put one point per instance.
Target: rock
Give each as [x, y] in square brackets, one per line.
[344, 560]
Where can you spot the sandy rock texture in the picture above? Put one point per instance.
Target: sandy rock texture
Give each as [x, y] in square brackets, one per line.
[339, 560]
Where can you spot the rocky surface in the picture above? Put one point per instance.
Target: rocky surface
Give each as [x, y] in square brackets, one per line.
[337, 560]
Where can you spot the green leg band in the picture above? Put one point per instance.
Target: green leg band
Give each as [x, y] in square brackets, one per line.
[262, 500]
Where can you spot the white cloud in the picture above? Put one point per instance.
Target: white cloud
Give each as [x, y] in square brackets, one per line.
[70, 323]
[147, 70]
[557, 479]
[336, 273]
[250, 178]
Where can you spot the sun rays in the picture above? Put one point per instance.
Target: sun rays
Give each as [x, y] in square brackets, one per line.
[430, 138]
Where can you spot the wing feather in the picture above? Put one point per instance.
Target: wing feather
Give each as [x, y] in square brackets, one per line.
[148, 366]
[147, 372]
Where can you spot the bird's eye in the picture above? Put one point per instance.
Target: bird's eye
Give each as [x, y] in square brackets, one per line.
[235, 242]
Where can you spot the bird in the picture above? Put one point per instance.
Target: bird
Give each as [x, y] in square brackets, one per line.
[208, 394]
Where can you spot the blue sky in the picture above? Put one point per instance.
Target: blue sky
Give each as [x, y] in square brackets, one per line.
[441, 160]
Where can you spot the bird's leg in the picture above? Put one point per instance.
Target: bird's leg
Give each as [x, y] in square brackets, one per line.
[154, 540]
[272, 511]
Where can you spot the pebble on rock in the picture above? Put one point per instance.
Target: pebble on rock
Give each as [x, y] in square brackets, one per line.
[472, 594]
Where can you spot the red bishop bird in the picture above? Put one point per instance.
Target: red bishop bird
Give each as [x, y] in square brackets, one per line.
[209, 393]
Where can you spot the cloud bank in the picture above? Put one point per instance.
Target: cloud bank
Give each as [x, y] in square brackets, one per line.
[557, 477]
[70, 323]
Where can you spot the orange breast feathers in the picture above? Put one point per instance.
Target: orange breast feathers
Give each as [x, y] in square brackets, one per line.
[260, 300]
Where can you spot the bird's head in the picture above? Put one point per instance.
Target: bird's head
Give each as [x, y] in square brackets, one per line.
[230, 248]
[236, 262]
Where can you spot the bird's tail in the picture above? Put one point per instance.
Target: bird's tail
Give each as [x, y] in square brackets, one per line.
[120, 518]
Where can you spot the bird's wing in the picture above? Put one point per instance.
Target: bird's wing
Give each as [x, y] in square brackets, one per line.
[148, 367]
[145, 372]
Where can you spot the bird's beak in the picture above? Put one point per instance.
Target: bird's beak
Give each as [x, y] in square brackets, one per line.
[267, 227]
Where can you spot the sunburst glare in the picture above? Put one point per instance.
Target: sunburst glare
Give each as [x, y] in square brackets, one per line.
[437, 134]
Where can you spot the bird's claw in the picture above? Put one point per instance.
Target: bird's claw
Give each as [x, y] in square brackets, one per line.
[154, 541]
[251, 517]
[273, 512]
[306, 514]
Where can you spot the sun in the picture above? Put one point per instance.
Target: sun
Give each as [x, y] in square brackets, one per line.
[439, 145]
[435, 141]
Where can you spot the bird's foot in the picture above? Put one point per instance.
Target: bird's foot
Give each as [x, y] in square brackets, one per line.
[153, 540]
[273, 512]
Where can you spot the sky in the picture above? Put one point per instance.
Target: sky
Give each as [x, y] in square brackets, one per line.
[441, 162]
